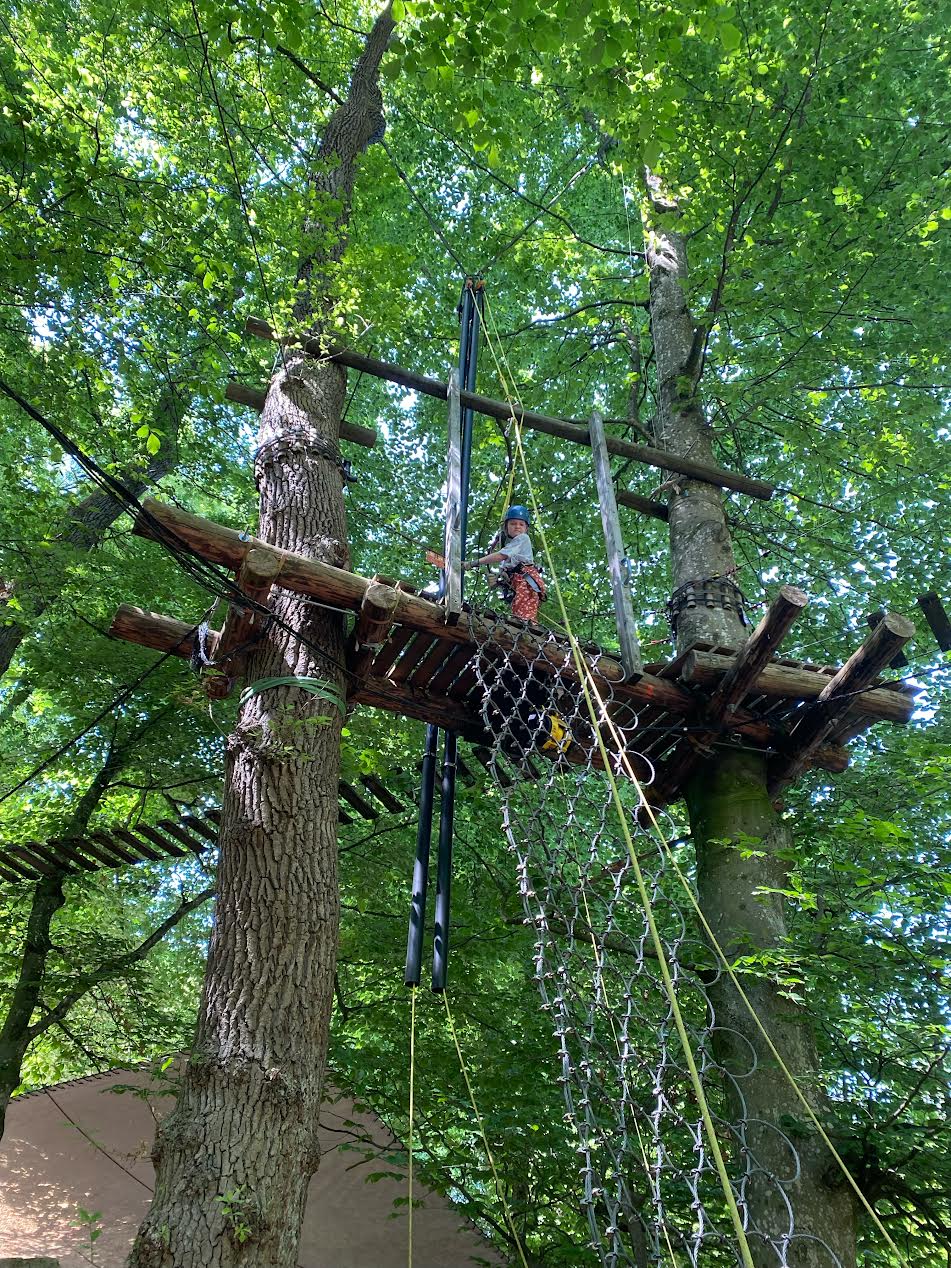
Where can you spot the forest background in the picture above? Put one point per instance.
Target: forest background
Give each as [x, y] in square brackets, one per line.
[153, 185]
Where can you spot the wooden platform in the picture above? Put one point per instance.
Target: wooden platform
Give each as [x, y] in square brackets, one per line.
[409, 655]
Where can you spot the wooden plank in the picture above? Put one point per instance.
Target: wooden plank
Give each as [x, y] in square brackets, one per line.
[785, 682]
[175, 830]
[937, 619]
[453, 666]
[388, 654]
[618, 564]
[383, 794]
[108, 842]
[358, 803]
[26, 870]
[65, 853]
[454, 545]
[101, 858]
[383, 693]
[433, 661]
[414, 655]
[192, 823]
[838, 695]
[168, 849]
[51, 852]
[37, 864]
[535, 422]
[255, 397]
[11, 877]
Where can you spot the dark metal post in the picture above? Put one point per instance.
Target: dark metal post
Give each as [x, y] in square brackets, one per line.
[424, 832]
[444, 864]
[468, 363]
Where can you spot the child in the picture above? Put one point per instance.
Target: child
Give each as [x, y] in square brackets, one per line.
[517, 564]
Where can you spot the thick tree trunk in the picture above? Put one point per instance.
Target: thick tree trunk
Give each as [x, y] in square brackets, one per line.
[235, 1157]
[729, 809]
[86, 524]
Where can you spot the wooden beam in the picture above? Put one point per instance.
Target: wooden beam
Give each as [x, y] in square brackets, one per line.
[753, 656]
[243, 624]
[374, 623]
[345, 589]
[646, 506]
[837, 696]
[356, 802]
[383, 794]
[161, 633]
[528, 418]
[383, 693]
[618, 564]
[255, 397]
[890, 705]
[729, 694]
[454, 544]
[937, 619]
[897, 662]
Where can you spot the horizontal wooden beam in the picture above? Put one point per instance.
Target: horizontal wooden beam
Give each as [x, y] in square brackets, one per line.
[646, 506]
[575, 432]
[254, 397]
[343, 589]
[889, 705]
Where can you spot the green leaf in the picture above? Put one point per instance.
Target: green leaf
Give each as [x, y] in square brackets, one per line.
[730, 36]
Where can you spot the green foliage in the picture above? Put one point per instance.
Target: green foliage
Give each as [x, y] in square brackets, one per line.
[805, 154]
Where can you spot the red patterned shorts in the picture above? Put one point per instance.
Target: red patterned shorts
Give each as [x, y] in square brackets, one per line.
[527, 599]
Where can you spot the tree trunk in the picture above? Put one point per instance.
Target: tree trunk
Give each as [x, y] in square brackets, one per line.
[87, 522]
[235, 1157]
[730, 811]
[16, 1033]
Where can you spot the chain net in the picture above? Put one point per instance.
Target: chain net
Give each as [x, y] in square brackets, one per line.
[650, 1187]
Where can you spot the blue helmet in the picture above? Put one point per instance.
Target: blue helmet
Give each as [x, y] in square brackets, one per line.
[517, 513]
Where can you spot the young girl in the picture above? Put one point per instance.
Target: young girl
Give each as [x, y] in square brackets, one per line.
[517, 564]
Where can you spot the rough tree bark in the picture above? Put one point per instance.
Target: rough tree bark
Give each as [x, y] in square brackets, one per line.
[86, 523]
[235, 1157]
[728, 805]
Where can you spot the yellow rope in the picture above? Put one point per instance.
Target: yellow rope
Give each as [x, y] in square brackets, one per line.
[412, 1096]
[488, 1152]
[669, 989]
[588, 679]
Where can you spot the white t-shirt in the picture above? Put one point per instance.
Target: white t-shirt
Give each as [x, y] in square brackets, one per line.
[517, 550]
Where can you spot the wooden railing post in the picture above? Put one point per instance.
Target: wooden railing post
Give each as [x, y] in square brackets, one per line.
[617, 559]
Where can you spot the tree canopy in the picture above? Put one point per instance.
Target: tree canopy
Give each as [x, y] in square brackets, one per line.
[157, 188]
